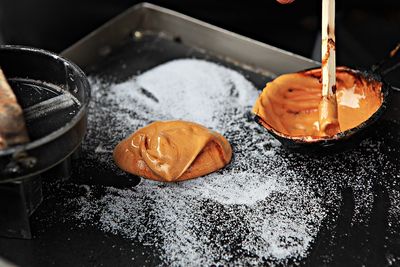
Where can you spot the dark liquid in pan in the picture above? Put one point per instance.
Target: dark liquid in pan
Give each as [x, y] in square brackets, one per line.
[47, 107]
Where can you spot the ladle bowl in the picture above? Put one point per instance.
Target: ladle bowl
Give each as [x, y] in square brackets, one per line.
[312, 143]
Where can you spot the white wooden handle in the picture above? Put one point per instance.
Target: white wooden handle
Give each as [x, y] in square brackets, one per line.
[328, 114]
[328, 48]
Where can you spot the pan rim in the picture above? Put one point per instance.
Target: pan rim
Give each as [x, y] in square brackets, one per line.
[59, 132]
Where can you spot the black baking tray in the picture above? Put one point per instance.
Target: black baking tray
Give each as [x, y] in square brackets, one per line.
[147, 36]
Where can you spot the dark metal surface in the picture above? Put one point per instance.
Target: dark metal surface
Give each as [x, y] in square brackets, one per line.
[18, 200]
[193, 32]
[59, 239]
[37, 75]
[56, 234]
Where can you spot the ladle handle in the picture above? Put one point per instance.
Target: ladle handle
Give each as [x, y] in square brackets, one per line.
[388, 64]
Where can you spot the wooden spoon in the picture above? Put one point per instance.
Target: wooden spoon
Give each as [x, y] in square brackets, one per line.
[328, 115]
[12, 124]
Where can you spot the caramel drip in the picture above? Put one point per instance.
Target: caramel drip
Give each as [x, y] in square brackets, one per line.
[290, 104]
[169, 148]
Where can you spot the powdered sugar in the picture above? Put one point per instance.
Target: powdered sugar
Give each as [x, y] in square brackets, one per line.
[248, 212]
[266, 207]
[197, 97]
[198, 224]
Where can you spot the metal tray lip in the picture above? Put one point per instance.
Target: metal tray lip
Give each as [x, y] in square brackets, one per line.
[57, 133]
[163, 10]
[143, 5]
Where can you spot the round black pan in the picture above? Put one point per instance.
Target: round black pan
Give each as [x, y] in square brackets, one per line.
[54, 94]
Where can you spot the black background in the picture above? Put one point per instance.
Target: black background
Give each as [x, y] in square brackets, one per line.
[366, 30]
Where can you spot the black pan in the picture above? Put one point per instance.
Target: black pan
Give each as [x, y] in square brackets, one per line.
[54, 94]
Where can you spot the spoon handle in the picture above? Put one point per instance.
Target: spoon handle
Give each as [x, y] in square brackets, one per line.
[328, 48]
[12, 124]
[388, 64]
[328, 115]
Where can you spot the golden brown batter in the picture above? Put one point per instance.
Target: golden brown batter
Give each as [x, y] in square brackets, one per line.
[173, 151]
[12, 124]
[289, 104]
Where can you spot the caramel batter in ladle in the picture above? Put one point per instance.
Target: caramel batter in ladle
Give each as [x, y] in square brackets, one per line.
[289, 105]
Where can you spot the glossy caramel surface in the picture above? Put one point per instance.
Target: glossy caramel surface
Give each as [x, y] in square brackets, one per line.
[169, 148]
[289, 105]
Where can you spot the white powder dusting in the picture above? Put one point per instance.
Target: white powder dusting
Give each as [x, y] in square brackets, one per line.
[187, 89]
[248, 213]
[265, 208]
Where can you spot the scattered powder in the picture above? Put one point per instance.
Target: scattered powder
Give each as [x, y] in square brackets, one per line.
[266, 207]
[250, 212]
[187, 89]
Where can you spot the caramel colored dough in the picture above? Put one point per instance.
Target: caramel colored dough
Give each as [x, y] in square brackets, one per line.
[289, 104]
[12, 124]
[173, 151]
